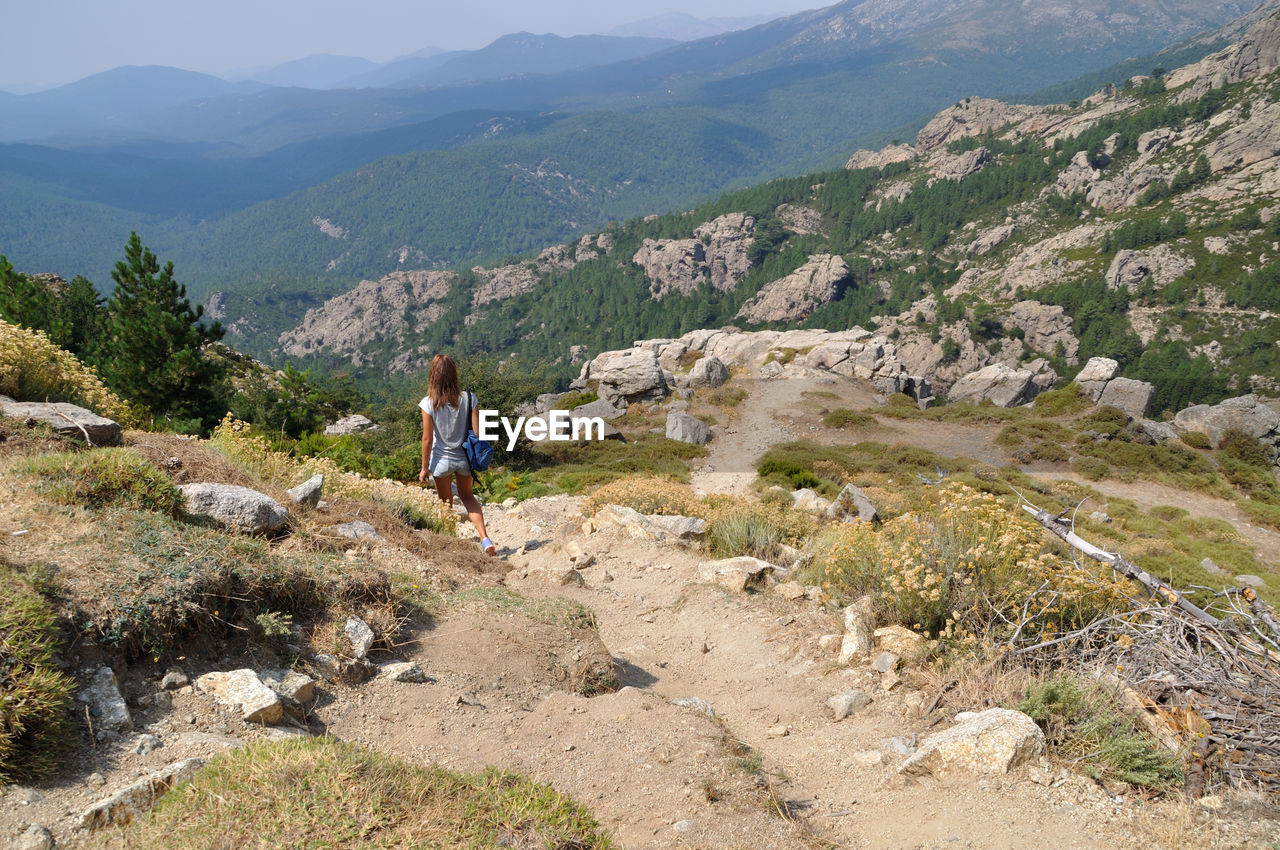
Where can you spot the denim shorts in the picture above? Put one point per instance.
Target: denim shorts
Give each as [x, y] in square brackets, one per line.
[447, 463]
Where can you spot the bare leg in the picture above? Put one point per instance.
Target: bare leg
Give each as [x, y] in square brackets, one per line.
[474, 512]
[444, 489]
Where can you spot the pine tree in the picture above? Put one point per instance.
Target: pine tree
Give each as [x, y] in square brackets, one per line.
[154, 351]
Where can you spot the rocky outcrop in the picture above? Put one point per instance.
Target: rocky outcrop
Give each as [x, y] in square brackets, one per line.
[1243, 143]
[880, 158]
[989, 240]
[399, 303]
[959, 166]
[1124, 189]
[1244, 412]
[989, 742]
[997, 383]
[1257, 52]
[503, 282]
[235, 508]
[1045, 327]
[1162, 263]
[67, 419]
[353, 424]
[716, 254]
[974, 116]
[798, 294]
[803, 221]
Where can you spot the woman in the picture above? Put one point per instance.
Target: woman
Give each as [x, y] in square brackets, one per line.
[446, 413]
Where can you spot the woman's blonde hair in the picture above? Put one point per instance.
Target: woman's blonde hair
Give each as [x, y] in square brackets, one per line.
[442, 381]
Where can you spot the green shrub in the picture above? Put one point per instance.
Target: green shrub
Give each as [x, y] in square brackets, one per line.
[102, 478]
[1061, 402]
[344, 796]
[1091, 468]
[1090, 726]
[1107, 421]
[1261, 513]
[843, 417]
[1196, 440]
[789, 472]
[1241, 446]
[726, 396]
[35, 698]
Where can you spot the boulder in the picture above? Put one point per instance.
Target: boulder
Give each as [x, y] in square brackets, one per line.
[1243, 412]
[997, 383]
[810, 502]
[989, 742]
[738, 574]
[307, 494]
[67, 419]
[244, 691]
[859, 621]
[687, 429]
[599, 408]
[628, 376]
[1133, 397]
[1157, 432]
[351, 671]
[136, 800]
[708, 372]
[35, 837]
[853, 504]
[353, 424]
[107, 707]
[236, 508]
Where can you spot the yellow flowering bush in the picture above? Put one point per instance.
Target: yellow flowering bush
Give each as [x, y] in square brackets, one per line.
[237, 441]
[32, 368]
[970, 566]
[648, 495]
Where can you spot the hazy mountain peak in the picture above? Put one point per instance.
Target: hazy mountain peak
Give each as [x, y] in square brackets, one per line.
[318, 71]
[681, 26]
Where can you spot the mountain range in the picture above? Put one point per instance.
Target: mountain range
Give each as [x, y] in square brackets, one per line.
[516, 146]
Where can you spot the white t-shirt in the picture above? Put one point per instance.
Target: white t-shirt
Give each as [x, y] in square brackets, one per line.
[450, 426]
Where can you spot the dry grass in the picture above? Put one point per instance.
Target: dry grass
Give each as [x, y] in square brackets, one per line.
[319, 792]
[32, 368]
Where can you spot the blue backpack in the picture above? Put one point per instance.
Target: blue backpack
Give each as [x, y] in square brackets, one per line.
[479, 452]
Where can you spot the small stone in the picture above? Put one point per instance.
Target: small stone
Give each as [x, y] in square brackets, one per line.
[174, 679]
[902, 641]
[307, 494]
[1213, 569]
[402, 671]
[785, 620]
[35, 837]
[681, 826]
[290, 684]
[991, 742]
[695, 703]
[1251, 580]
[146, 744]
[842, 705]
[357, 529]
[791, 590]
[828, 643]
[110, 713]
[578, 556]
[889, 680]
[868, 758]
[1099, 516]
[886, 662]
[1212, 802]
[28, 796]
[778, 731]
[902, 746]
[96, 778]
[564, 576]
[360, 636]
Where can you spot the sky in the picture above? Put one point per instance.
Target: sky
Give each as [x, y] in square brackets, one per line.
[50, 42]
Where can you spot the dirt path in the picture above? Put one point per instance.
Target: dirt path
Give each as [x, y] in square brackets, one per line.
[650, 769]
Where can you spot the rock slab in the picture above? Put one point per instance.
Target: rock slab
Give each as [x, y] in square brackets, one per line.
[243, 690]
[737, 574]
[137, 799]
[989, 742]
[66, 419]
[109, 711]
[307, 494]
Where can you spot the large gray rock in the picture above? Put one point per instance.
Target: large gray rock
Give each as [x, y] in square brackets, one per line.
[600, 408]
[997, 383]
[244, 691]
[353, 424]
[708, 372]
[853, 504]
[236, 508]
[1244, 412]
[990, 742]
[1133, 397]
[627, 376]
[107, 707]
[687, 429]
[357, 530]
[1092, 379]
[307, 494]
[291, 685]
[360, 636]
[66, 419]
[136, 800]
